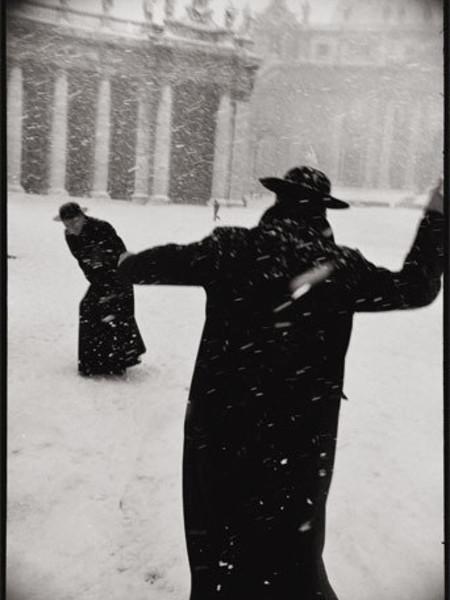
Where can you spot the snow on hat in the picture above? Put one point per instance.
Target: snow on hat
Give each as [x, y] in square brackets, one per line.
[69, 210]
[307, 181]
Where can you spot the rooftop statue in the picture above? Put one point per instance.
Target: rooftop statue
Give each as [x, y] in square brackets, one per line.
[148, 8]
[107, 6]
[230, 16]
[247, 21]
[64, 6]
[169, 9]
[306, 10]
[200, 12]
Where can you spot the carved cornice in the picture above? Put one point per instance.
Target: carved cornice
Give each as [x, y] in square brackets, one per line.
[157, 58]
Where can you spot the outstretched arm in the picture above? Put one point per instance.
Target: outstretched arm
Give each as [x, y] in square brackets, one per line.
[418, 282]
[172, 264]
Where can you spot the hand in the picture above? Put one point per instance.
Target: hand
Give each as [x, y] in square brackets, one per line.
[123, 256]
[436, 198]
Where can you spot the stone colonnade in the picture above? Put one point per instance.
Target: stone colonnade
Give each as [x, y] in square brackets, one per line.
[359, 131]
[380, 145]
[153, 146]
[401, 145]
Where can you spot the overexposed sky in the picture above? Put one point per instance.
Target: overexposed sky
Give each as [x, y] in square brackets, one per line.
[321, 10]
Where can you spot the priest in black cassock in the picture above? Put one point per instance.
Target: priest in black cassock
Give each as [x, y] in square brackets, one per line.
[263, 409]
[109, 339]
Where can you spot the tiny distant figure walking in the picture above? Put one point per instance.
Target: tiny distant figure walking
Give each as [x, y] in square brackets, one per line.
[216, 208]
[109, 340]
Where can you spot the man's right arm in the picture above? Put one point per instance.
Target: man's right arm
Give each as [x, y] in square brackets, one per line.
[172, 264]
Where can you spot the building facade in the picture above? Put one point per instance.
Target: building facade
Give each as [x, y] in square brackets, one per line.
[103, 107]
[360, 97]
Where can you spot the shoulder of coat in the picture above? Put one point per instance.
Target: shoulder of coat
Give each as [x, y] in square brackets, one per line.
[350, 259]
[96, 221]
[99, 224]
[229, 232]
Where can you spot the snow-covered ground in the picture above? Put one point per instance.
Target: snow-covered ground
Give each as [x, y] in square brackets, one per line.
[94, 466]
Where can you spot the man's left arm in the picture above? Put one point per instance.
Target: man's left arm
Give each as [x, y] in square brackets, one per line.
[418, 283]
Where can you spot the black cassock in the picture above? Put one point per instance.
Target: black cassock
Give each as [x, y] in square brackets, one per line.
[109, 340]
[262, 416]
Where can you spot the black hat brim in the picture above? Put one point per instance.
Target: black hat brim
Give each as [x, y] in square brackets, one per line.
[280, 186]
[332, 202]
[59, 219]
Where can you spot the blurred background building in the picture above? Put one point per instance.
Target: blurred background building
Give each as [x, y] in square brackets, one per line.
[181, 104]
[102, 106]
[360, 97]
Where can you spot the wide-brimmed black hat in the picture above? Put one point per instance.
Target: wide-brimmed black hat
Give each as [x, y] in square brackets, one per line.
[69, 210]
[307, 184]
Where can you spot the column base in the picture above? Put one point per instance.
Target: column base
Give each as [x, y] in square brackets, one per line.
[159, 199]
[140, 198]
[98, 195]
[58, 192]
[15, 187]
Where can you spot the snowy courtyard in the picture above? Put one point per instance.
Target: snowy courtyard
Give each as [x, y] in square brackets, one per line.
[94, 465]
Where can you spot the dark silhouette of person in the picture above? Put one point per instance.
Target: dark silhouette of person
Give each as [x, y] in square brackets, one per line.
[109, 340]
[262, 414]
[216, 208]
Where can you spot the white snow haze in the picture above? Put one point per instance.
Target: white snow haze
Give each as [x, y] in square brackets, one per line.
[94, 465]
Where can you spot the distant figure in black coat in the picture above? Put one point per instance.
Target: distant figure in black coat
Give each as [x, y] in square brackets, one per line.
[262, 415]
[216, 208]
[109, 340]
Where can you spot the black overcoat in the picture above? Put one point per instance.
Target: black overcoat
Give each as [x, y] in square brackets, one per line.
[109, 340]
[262, 415]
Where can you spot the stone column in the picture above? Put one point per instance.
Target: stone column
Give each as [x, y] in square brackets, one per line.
[240, 160]
[413, 147]
[14, 128]
[161, 162]
[58, 136]
[386, 147]
[102, 140]
[141, 179]
[371, 157]
[336, 148]
[222, 149]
